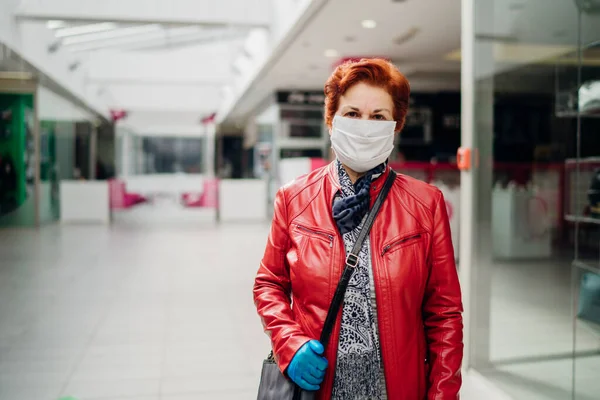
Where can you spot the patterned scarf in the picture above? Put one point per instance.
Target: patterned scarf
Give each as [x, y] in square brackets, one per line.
[350, 210]
[359, 371]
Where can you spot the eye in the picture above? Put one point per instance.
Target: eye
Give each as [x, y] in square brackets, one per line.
[379, 117]
[352, 114]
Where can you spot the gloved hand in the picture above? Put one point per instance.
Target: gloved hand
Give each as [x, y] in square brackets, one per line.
[308, 366]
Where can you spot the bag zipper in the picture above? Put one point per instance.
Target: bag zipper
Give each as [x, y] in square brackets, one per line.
[322, 234]
[399, 242]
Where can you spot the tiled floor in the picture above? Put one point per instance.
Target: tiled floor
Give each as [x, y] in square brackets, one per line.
[133, 312]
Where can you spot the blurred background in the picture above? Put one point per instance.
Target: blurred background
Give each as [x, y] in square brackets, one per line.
[142, 143]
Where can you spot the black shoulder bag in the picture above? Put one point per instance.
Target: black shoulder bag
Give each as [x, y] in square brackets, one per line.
[273, 384]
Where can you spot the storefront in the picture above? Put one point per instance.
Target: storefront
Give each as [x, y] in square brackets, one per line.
[18, 153]
[45, 139]
[530, 235]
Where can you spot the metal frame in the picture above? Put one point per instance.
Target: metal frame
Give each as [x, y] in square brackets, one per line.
[467, 222]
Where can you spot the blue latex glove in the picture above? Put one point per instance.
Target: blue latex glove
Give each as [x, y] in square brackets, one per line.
[307, 368]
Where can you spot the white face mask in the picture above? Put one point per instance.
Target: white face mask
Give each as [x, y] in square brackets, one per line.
[362, 144]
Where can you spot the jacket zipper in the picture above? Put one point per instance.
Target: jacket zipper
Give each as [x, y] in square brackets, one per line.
[323, 235]
[399, 242]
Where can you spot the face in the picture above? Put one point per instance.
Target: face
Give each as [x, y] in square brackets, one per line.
[363, 101]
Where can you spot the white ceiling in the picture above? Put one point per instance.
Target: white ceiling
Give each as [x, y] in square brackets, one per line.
[171, 63]
[164, 62]
[337, 26]
[521, 32]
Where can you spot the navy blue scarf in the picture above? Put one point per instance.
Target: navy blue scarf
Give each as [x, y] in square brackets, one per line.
[349, 211]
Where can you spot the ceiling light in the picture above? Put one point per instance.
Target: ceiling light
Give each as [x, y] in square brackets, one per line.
[85, 29]
[331, 53]
[111, 35]
[406, 36]
[369, 24]
[55, 24]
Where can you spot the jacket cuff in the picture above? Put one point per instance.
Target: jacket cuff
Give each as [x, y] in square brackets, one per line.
[284, 356]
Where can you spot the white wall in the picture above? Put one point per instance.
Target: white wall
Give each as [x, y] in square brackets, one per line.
[131, 96]
[84, 202]
[53, 107]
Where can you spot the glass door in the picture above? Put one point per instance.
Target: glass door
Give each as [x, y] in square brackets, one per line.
[583, 212]
[528, 196]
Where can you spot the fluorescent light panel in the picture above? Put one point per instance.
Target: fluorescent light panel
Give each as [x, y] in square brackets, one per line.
[113, 34]
[159, 39]
[85, 29]
[154, 38]
[369, 24]
[54, 24]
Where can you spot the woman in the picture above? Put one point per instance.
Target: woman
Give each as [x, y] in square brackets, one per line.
[399, 333]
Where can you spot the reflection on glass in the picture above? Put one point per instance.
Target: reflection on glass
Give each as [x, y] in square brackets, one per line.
[532, 194]
[171, 155]
[589, 98]
[587, 199]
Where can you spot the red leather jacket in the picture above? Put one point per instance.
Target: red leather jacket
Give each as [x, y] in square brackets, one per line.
[419, 305]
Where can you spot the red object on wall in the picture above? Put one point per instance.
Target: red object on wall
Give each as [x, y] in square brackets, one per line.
[209, 118]
[118, 114]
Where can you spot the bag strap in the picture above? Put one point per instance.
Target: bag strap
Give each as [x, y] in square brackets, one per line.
[352, 261]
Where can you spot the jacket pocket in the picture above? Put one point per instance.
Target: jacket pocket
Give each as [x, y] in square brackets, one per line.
[310, 259]
[315, 233]
[401, 242]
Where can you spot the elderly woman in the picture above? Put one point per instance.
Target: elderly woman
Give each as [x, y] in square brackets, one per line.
[398, 334]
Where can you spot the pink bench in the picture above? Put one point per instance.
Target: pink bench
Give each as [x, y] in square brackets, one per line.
[120, 199]
[208, 198]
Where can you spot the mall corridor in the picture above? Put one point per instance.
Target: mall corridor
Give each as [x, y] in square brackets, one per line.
[132, 313]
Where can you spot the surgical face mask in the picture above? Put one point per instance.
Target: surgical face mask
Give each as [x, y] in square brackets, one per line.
[362, 144]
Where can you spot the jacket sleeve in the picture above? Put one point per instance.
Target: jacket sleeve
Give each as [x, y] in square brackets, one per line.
[442, 312]
[272, 290]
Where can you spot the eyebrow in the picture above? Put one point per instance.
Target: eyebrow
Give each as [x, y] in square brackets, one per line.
[353, 108]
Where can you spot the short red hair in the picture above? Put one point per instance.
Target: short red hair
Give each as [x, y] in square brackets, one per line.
[373, 71]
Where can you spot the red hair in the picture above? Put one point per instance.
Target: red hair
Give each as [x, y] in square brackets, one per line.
[373, 71]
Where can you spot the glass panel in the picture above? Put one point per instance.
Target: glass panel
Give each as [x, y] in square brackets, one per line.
[305, 130]
[172, 155]
[523, 314]
[49, 206]
[60, 154]
[585, 211]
